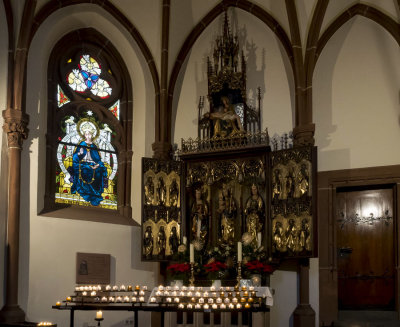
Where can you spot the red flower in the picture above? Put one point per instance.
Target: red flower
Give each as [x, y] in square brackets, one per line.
[259, 266]
[215, 266]
[63, 155]
[59, 138]
[179, 267]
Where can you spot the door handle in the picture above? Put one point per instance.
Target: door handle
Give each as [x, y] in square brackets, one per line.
[344, 251]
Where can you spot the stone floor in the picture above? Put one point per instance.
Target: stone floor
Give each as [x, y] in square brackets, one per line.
[367, 319]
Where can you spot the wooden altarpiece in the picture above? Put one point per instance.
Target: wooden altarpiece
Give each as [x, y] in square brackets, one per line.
[227, 185]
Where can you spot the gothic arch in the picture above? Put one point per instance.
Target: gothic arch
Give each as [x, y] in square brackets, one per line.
[52, 6]
[245, 5]
[363, 10]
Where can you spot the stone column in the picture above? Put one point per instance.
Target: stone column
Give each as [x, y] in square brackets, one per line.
[304, 315]
[15, 125]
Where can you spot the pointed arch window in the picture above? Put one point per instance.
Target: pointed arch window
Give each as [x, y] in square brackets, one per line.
[89, 131]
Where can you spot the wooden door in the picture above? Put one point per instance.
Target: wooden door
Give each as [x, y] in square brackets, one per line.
[365, 239]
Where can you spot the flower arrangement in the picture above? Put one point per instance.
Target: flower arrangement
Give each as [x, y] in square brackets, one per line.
[179, 270]
[215, 269]
[258, 267]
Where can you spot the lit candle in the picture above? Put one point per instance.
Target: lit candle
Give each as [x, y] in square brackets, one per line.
[206, 306]
[231, 306]
[238, 306]
[247, 306]
[201, 300]
[191, 253]
[210, 300]
[122, 288]
[137, 287]
[118, 299]
[161, 287]
[219, 300]
[58, 303]
[168, 299]
[215, 306]
[141, 299]
[189, 306]
[99, 315]
[239, 249]
[197, 306]
[212, 288]
[108, 288]
[103, 299]
[68, 299]
[126, 299]
[222, 306]
[152, 299]
[133, 299]
[129, 288]
[184, 288]
[115, 288]
[84, 293]
[181, 306]
[93, 293]
[144, 288]
[176, 300]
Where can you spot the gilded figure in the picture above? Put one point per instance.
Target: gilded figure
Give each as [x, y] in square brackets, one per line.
[254, 213]
[161, 191]
[291, 235]
[161, 242]
[173, 193]
[148, 242]
[303, 180]
[199, 215]
[276, 185]
[226, 121]
[227, 210]
[278, 241]
[173, 241]
[305, 236]
[149, 191]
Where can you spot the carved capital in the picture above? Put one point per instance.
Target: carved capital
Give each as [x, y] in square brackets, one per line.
[162, 150]
[304, 135]
[15, 125]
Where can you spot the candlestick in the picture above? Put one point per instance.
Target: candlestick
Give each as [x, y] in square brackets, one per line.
[239, 250]
[191, 279]
[239, 273]
[191, 253]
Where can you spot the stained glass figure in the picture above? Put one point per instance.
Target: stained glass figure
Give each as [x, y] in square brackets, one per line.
[87, 164]
[61, 97]
[115, 109]
[87, 77]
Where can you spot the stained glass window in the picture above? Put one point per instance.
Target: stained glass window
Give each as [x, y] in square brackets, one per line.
[115, 109]
[61, 97]
[87, 77]
[87, 163]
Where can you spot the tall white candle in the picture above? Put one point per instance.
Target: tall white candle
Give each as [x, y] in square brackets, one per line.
[191, 252]
[99, 315]
[239, 250]
[259, 239]
[184, 240]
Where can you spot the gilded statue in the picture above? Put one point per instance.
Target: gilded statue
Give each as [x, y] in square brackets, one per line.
[303, 180]
[148, 242]
[161, 242]
[291, 236]
[305, 236]
[278, 240]
[227, 210]
[173, 193]
[161, 191]
[254, 213]
[226, 121]
[199, 215]
[149, 191]
[290, 185]
[276, 184]
[173, 241]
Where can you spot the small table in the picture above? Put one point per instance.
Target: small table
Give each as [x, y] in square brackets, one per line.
[150, 308]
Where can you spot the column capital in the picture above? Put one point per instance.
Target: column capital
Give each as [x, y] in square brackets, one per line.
[16, 127]
[304, 135]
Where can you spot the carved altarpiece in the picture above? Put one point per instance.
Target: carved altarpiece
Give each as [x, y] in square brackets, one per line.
[227, 185]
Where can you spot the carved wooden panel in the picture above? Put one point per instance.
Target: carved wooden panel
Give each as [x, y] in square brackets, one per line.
[293, 175]
[161, 208]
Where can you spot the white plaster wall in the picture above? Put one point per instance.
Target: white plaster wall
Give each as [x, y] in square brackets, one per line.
[356, 98]
[146, 16]
[3, 144]
[49, 245]
[267, 67]
[184, 16]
